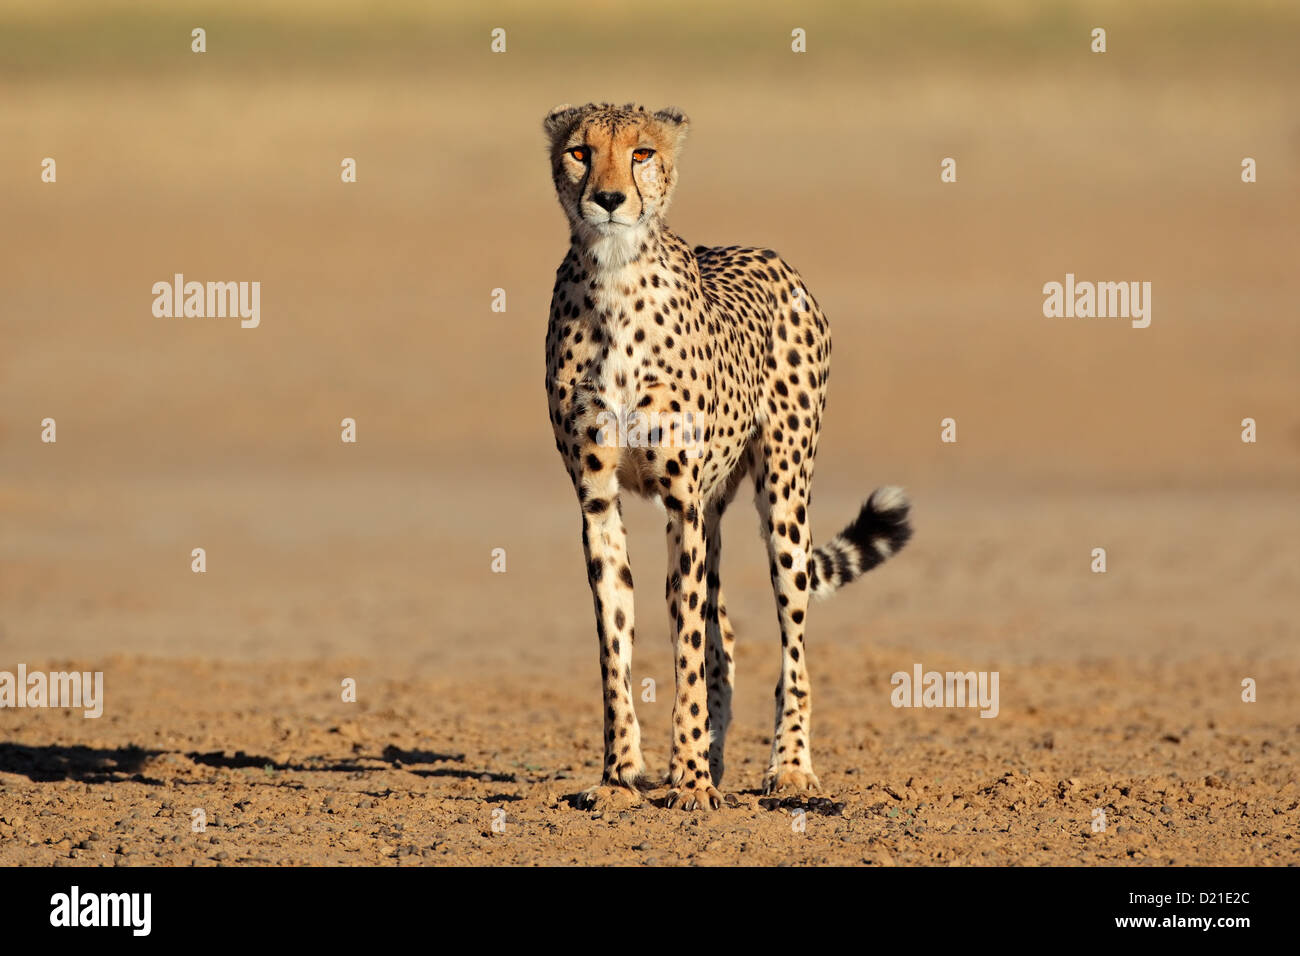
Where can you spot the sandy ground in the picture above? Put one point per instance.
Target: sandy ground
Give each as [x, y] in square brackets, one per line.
[477, 716]
[282, 778]
[1118, 692]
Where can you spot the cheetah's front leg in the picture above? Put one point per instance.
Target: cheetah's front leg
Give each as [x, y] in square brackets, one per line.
[604, 539]
[688, 770]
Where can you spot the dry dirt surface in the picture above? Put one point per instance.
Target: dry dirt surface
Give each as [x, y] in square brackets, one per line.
[473, 751]
[282, 782]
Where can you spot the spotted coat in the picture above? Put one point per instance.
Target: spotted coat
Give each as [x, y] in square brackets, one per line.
[673, 373]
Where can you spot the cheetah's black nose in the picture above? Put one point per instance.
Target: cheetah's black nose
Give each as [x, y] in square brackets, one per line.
[608, 201]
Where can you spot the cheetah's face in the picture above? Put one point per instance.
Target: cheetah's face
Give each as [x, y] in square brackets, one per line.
[614, 168]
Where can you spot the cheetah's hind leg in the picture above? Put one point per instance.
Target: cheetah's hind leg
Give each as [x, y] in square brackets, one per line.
[720, 646]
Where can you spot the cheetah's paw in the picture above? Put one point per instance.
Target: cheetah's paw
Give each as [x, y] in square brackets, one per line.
[704, 797]
[790, 778]
[603, 796]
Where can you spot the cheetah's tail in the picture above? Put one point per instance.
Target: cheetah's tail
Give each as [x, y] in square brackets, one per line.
[879, 532]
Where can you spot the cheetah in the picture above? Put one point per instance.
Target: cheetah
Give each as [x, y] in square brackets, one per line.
[673, 372]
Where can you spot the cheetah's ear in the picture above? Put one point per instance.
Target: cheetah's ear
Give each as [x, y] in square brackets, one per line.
[560, 120]
[675, 123]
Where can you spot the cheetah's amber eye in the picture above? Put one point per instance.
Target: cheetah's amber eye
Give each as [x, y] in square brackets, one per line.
[641, 155]
[579, 153]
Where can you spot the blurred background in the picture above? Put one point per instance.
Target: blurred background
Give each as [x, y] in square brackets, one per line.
[376, 305]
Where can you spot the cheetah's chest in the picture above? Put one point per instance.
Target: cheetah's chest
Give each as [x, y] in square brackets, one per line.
[649, 359]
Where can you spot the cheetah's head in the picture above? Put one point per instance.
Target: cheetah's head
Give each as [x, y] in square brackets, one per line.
[614, 170]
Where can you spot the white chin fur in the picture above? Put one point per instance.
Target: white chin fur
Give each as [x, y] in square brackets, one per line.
[613, 246]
